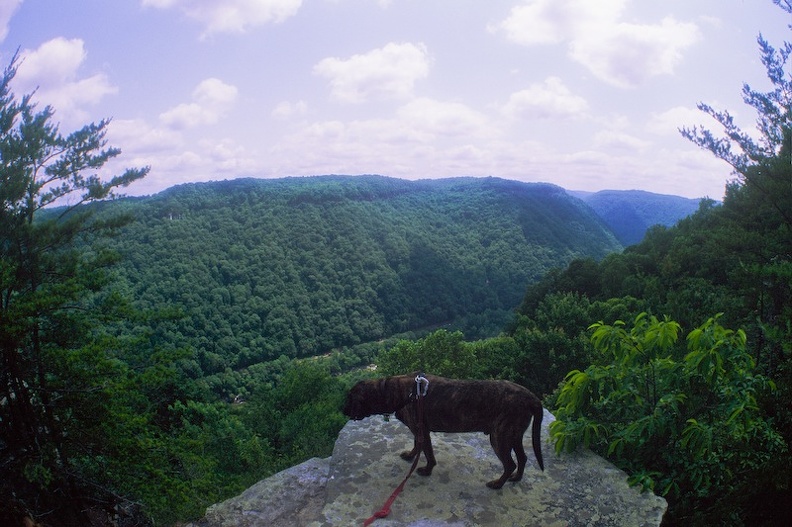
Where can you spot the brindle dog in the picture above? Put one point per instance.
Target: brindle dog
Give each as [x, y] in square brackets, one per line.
[501, 409]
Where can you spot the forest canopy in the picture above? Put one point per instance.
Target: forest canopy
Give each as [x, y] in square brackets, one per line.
[298, 267]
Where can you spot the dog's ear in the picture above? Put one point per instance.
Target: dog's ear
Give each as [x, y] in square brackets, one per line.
[355, 401]
[362, 388]
[380, 391]
[393, 391]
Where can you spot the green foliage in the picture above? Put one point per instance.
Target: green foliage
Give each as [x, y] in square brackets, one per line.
[537, 352]
[685, 425]
[441, 353]
[301, 266]
[700, 426]
[552, 341]
[300, 413]
[533, 358]
[64, 380]
[732, 258]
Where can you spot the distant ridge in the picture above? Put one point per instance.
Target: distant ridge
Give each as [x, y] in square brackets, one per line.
[296, 267]
[629, 213]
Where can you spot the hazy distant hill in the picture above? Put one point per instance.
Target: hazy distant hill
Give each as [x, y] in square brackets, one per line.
[297, 266]
[629, 213]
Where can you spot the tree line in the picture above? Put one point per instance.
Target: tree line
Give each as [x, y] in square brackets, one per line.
[298, 267]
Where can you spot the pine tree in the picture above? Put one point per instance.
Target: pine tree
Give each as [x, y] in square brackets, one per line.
[755, 162]
[49, 282]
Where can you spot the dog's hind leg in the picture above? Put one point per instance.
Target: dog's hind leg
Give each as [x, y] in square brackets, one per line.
[502, 448]
[522, 457]
[409, 455]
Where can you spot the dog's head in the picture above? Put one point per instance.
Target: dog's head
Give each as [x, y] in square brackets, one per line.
[357, 402]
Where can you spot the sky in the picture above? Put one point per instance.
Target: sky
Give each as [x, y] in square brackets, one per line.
[588, 95]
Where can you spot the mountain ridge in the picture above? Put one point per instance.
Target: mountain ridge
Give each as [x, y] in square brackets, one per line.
[297, 267]
[630, 213]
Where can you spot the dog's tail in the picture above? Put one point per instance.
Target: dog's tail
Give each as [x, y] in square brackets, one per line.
[536, 433]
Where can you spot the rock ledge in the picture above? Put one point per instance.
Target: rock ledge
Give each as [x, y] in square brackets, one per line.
[579, 489]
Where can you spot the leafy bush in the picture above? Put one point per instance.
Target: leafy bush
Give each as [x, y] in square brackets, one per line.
[683, 424]
[440, 353]
[300, 413]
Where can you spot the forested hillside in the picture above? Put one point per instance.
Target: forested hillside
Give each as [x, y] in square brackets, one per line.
[675, 355]
[296, 267]
[630, 213]
[673, 358]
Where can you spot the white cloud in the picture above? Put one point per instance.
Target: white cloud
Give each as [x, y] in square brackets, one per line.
[173, 159]
[54, 63]
[433, 135]
[529, 25]
[288, 109]
[231, 16]
[138, 137]
[173, 155]
[212, 98]
[418, 142]
[7, 9]
[556, 21]
[161, 4]
[350, 140]
[70, 98]
[439, 119]
[226, 157]
[52, 72]
[713, 21]
[550, 99]
[389, 72]
[624, 54]
[670, 121]
[629, 54]
[214, 92]
[616, 140]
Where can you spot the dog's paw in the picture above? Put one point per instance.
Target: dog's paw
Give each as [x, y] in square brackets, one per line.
[516, 477]
[424, 471]
[407, 456]
[495, 484]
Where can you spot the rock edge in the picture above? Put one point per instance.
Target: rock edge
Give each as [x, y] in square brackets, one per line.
[578, 489]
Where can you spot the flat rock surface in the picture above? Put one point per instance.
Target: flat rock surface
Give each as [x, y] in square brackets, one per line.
[580, 489]
[287, 499]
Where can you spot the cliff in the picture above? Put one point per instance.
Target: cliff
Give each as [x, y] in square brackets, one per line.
[579, 489]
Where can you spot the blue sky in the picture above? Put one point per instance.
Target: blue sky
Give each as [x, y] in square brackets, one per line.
[584, 94]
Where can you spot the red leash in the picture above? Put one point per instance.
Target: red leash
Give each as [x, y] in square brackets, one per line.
[385, 510]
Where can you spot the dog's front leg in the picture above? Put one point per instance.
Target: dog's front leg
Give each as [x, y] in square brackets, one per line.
[426, 446]
[406, 417]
